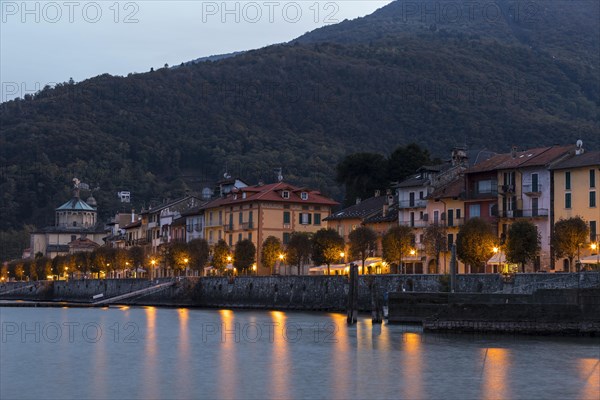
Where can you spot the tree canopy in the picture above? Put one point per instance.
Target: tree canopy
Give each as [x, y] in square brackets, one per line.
[327, 245]
[475, 243]
[568, 236]
[363, 241]
[523, 243]
[397, 243]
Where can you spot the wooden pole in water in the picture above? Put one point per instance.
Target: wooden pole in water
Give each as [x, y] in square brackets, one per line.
[352, 309]
[376, 309]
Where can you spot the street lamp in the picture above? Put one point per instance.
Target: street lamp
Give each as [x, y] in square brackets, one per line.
[153, 263]
[594, 247]
[281, 258]
[185, 260]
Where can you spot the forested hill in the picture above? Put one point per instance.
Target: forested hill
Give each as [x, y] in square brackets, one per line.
[301, 106]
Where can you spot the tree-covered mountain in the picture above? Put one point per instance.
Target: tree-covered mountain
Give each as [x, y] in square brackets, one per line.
[370, 84]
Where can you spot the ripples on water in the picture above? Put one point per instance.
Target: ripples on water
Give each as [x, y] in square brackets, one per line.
[181, 353]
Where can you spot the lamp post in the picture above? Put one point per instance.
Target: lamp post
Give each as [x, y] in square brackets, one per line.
[342, 255]
[412, 253]
[229, 259]
[595, 248]
[281, 258]
[185, 261]
[153, 263]
[495, 250]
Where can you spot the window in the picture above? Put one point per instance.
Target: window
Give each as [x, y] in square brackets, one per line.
[286, 217]
[436, 216]
[317, 219]
[241, 218]
[567, 180]
[421, 196]
[420, 214]
[412, 219]
[592, 178]
[458, 212]
[285, 194]
[239, 237]
[534, 182]
[304, 196]
[567, 200]
[474, 210]
[450, 217]
[534, 207]
[305, 218]
[411, 199]
[593, 199]
[250, 236]
[210, 236]
[73, 238]
[286, 238]
[593, 232]
[450, 241]
[484, 187]
[230, 239]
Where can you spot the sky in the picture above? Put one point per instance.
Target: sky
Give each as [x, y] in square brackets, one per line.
[45, 42]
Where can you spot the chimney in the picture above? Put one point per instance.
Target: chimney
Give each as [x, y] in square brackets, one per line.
[132, 215]
[385, 209]
[377, 193]
[514, 152]
[358, 200]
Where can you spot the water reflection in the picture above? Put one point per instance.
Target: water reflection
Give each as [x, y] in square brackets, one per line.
[589, 371]
[496, 365]
[177, 357]
[149, 378]
[412, 364]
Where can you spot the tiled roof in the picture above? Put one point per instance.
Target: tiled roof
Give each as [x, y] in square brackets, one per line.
[390, 216]
[361, 210]
[586, 159]
[529, 158]
[76, 204]
[98, 228]
[452, 189]
[272, 193]
[82, 243]
[134, 224]
[169, 204]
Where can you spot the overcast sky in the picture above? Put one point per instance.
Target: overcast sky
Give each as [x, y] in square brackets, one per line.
[43, 42]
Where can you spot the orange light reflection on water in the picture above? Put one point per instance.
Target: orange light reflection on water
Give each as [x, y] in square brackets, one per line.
[150, 370]
[412, 366]
[495, 369]
[280, 363]
[589, 371]
[227, 360]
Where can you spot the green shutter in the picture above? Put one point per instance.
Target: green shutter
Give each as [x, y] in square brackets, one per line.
[309, 218]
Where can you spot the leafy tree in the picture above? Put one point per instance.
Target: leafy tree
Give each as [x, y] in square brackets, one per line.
[361, 174]
[177, 256]
[405, 161]
[475, 243]
[245, 255]
[397, 243]
[362, 242]
[523, 243]
[220, 253]
[20, 270]
[436, 242]
[4, 273]
[199, 252]
[299, 249]
[137, 257]
[567, 237]
[43, 268]
[327, 245]
[271, 248]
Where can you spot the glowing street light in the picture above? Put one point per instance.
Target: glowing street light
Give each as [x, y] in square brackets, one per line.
[413, 252]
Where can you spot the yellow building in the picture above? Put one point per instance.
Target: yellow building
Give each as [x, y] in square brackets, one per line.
[447, 202]
[576, 184]
[257, 212]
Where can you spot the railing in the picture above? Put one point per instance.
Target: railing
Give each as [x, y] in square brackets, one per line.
[248, 225]
[228, 227]
[212, 224]
[416, 203]
[455, 222]
[414, 224]
[532, 213]
[532, 189]
[507, 188]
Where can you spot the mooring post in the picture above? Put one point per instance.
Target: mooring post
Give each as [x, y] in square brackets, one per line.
[376, 310]
[352, 295]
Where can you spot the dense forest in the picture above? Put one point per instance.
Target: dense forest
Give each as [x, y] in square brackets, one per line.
[368, 85]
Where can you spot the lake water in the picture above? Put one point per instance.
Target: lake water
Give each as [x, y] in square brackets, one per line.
[147, 353]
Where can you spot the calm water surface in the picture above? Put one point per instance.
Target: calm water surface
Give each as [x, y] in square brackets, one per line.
[149, 353]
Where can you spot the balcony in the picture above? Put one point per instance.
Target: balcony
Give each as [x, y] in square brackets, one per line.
[455, 222]
[247, 225]
[416, 203]
[506, 189]
[532, 213]
[228, 228]
[414, 224]
[532, 190]
[212, 224]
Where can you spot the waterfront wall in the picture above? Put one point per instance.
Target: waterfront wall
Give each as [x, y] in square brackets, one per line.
[286, 292]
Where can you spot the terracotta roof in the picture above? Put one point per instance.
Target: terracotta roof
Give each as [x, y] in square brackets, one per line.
[364, 209]
[273, 193]
[83, 243]
[529, 158]
[452, 189]
[134, 224]
[586, 159]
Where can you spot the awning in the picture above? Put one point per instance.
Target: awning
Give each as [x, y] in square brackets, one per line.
[497, 259]
[589, 260]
